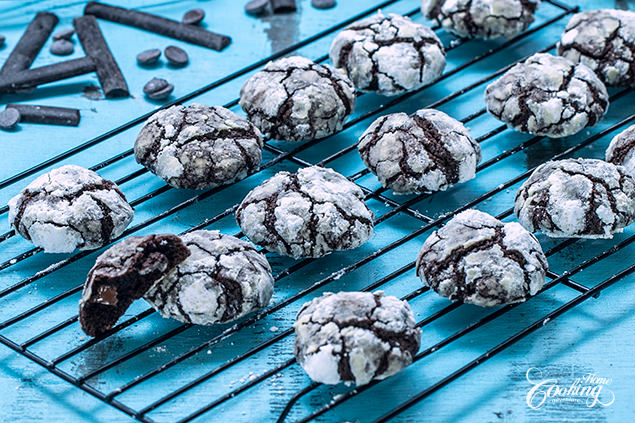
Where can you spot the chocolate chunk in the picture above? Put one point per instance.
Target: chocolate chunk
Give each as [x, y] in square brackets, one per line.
[123, 274]
[148, 57]
[9, 118]
[65, 34]
[256, 7]
[62, 48]
[193, 17]
[176, 56]
[158, 88]
[323, 4]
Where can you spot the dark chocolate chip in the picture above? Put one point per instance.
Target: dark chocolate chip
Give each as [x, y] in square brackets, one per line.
[162, 94]
[193, 17]
[148, 57]
[323, 4]
[2, 38]
[62, 48]
[65, 34]
[158, 89]
[176, 56]
[256, 7]
[9, 118]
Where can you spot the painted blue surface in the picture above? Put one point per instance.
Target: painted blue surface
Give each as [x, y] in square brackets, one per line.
[598, 336]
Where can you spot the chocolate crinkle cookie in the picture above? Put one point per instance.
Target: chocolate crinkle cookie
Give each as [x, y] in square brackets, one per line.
[548, 95]
[295, 99]
[481, 18]
[621, 150]
[124, 273]
[604, 40]
[577, 198]
[388, 55]
[199, 146]
[223, 279]
[310, 213]
[426, 151]
[70, 207]
[477, 259]
[355, 337]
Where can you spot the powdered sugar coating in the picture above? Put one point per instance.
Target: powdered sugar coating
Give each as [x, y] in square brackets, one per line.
[295, 99]
[198, 146]
[481, 18]
[603, 40]
[621, 150]
[426, 151]
[477, 259]
[70, 207]
[223, 279]
[355, 337]
[388, 55]
[579, 198]
[310, 213]
[548, 95]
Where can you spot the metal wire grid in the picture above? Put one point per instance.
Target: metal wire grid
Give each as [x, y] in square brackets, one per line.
[291, 156]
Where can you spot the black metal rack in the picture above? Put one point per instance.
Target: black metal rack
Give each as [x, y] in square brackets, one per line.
[394, 208]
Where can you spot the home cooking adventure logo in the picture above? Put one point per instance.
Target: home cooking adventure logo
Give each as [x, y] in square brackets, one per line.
[589, 389]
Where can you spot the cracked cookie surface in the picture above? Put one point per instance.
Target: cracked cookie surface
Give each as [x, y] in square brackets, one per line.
[295, 99]
[548, 95]
[578, 198]
[223, 279]
[481, 18]
[122, 274]
[70, 207]
[604, 40]
[310, 213]
[621, 150]
[477, 259]
[355, 337]
[198, 146]
[426, 151]
[388, 55]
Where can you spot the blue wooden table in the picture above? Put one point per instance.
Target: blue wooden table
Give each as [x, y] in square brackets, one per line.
[588, 344]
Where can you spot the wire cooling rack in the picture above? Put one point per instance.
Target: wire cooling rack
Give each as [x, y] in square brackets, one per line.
[159, 370]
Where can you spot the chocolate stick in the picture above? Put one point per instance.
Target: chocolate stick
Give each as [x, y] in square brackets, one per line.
[112, 81]
[30, 44]
[168, 27]
[44, 74]
[47, 115]
[282, 6]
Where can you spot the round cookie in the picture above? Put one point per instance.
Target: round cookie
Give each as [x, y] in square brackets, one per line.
[388, 55]
[621, 150]
[122, 274]
[198, 146]
[604, 40]
[477, 259]
[426, 151]
[577, 198]
[310, 213]
[355, 337]
[481, 18]
[70, 207]
[295, 99]
[223, 279]
[548, 95]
